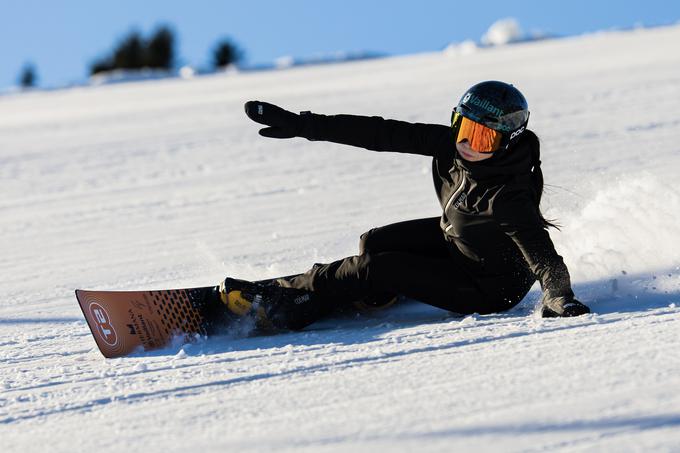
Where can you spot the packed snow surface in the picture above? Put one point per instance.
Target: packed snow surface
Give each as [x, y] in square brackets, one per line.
[167, 184]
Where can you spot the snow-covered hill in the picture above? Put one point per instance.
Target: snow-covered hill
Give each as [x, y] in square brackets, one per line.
[167, 184]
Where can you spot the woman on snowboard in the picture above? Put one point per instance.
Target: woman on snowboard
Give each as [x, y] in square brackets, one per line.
[482, 255]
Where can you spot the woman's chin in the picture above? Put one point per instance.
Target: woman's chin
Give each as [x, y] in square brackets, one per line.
[468, 157]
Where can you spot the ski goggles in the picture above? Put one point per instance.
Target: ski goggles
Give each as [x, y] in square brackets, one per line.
[481, 138]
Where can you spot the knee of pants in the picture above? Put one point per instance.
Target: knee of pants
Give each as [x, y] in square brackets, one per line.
[366, 241]
[356, 271]
[374, 269]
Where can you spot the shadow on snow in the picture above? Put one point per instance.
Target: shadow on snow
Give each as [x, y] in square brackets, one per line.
[57, 320]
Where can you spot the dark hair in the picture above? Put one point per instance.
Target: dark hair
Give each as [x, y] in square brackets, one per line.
[536, 174]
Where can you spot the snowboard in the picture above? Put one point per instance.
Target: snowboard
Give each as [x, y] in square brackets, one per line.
[123, 322]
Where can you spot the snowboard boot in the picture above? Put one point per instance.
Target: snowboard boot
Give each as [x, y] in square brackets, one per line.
[270, 305]
[250, 300]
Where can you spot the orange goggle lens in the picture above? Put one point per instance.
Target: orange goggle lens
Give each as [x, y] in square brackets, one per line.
[481, 138]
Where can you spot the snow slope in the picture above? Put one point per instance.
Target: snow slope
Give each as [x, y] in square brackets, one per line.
[167, 184]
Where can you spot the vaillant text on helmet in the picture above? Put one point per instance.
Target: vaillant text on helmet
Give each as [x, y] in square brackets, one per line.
[483, 103]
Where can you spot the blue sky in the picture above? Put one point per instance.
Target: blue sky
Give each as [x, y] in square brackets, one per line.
[62, 38]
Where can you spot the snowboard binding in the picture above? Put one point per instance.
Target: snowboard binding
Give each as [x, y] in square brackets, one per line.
[270, 305]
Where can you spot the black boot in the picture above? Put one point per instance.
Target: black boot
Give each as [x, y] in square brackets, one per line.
[270, 305]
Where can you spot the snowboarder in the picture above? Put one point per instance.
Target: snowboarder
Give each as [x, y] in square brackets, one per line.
[482, 255]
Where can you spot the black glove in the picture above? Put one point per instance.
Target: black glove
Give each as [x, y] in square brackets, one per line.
[563, 308]
[282, 123]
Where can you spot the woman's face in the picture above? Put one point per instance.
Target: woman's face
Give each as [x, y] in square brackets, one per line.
[470, 154]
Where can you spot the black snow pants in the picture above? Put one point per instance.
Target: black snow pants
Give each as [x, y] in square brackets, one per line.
[412, 259]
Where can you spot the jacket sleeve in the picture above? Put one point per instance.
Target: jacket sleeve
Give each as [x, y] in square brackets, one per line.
[520, 220]
[378, 134]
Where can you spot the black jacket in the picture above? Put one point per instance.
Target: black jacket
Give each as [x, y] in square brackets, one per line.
[490, 208]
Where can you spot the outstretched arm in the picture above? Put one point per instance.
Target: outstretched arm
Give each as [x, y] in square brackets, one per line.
[373, 133]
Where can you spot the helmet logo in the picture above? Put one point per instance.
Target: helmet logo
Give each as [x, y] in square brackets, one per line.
[482, 103]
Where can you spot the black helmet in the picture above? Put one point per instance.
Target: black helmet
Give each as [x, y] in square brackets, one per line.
[496, 105]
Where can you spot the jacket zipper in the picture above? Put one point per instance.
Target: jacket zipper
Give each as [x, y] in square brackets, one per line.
[455, 195]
